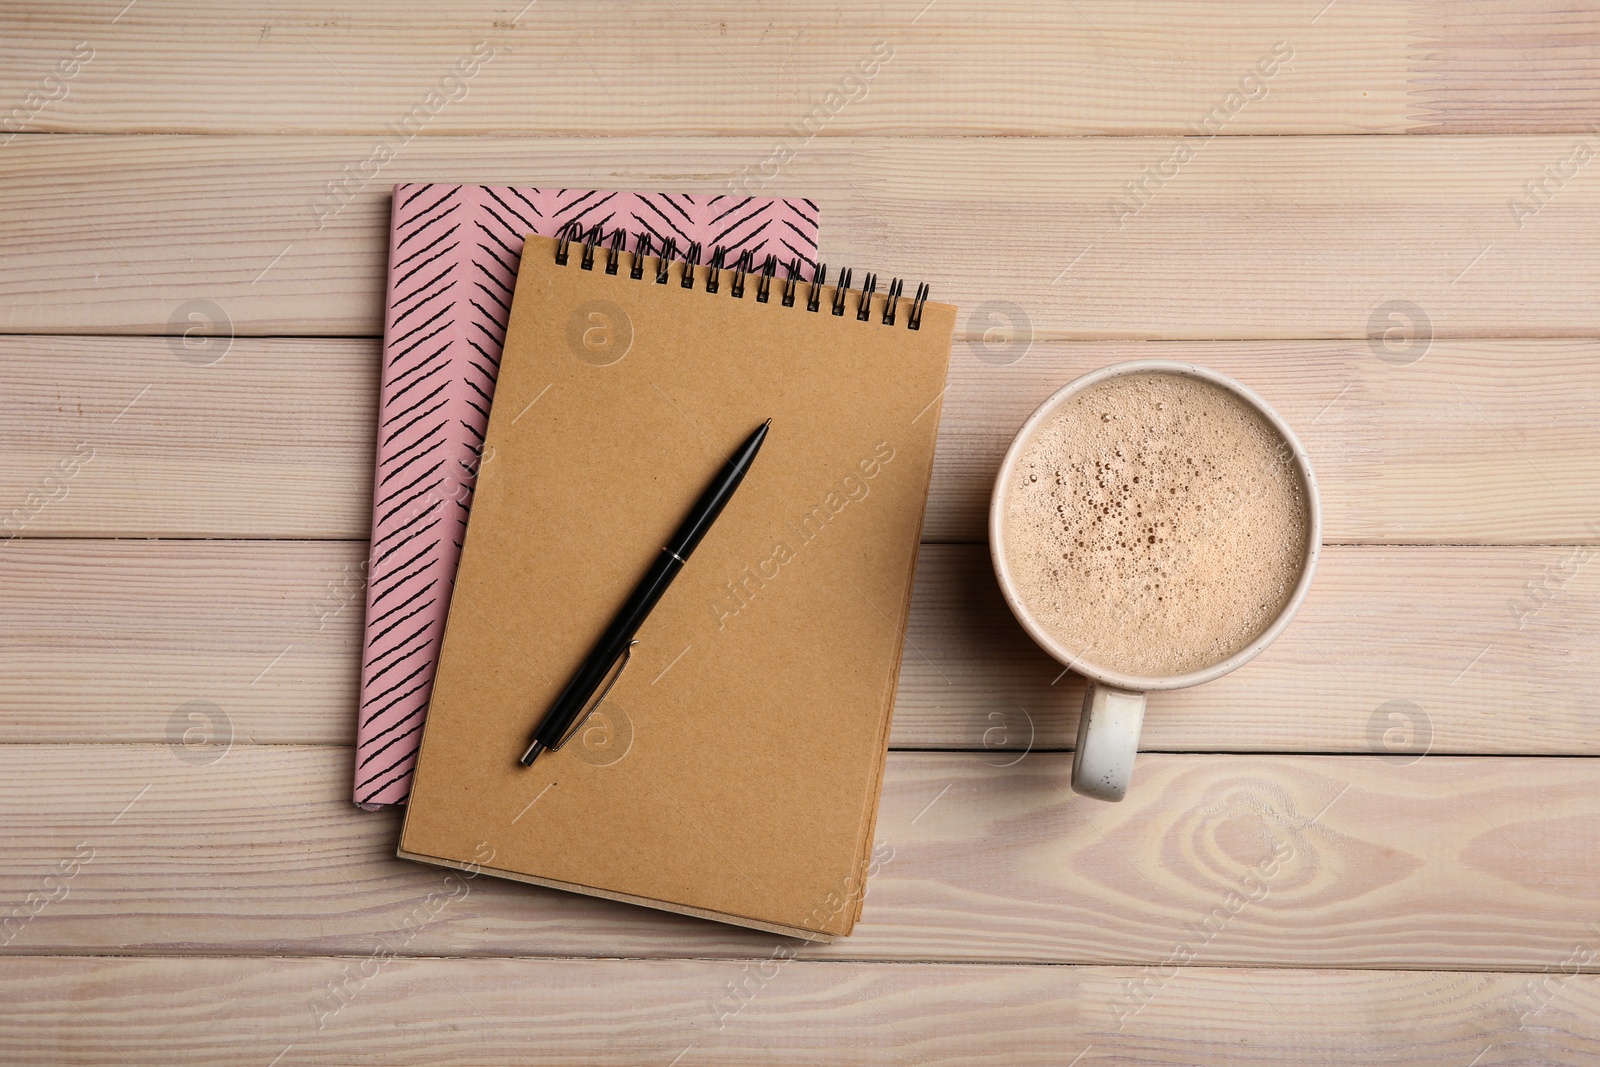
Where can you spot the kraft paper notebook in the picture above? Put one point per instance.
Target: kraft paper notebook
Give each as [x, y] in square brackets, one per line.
[453, 254]
[733, 770]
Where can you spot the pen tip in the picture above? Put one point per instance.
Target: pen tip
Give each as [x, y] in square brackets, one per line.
[767, 423]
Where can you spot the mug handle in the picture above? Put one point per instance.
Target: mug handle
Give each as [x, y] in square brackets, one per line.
[1108, 738]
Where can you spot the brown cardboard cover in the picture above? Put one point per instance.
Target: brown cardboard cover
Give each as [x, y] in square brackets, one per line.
[753, 719]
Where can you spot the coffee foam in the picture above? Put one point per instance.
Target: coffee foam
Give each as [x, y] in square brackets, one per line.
[1155, 524]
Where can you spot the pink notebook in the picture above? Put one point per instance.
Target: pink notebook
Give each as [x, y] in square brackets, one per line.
[453, 253]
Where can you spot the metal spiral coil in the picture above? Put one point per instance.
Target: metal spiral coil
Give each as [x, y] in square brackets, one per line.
[764, 284]
[719, 257]
[841, 292]
[664, 264]
[744, 268]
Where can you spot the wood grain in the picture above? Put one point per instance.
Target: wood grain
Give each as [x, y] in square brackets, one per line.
[1020, 67]
[1459, 863]
[187, 1011]
[1251, 238]
[274, 439]
[1475, 442]
[116, 641]
[1464, 73]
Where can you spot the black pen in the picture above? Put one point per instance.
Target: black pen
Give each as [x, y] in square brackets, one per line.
[557, 723]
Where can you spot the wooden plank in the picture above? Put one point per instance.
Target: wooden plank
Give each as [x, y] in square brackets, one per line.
[116, 641]
[196, 641]
[143, 438]
[1253, 238]
[1477, 441]
[1021, 67]
[1311, 861]
[212, 1011]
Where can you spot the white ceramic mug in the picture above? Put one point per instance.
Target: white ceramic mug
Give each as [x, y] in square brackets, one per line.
[1113, 705]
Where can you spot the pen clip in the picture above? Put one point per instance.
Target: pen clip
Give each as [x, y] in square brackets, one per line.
[622, 665]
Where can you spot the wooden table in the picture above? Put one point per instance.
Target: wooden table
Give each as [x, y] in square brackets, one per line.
[1393, 235]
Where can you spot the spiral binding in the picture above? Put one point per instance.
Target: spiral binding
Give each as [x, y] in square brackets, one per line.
[742, 269]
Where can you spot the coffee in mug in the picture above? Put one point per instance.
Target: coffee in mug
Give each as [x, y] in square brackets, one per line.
[1154, 525]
